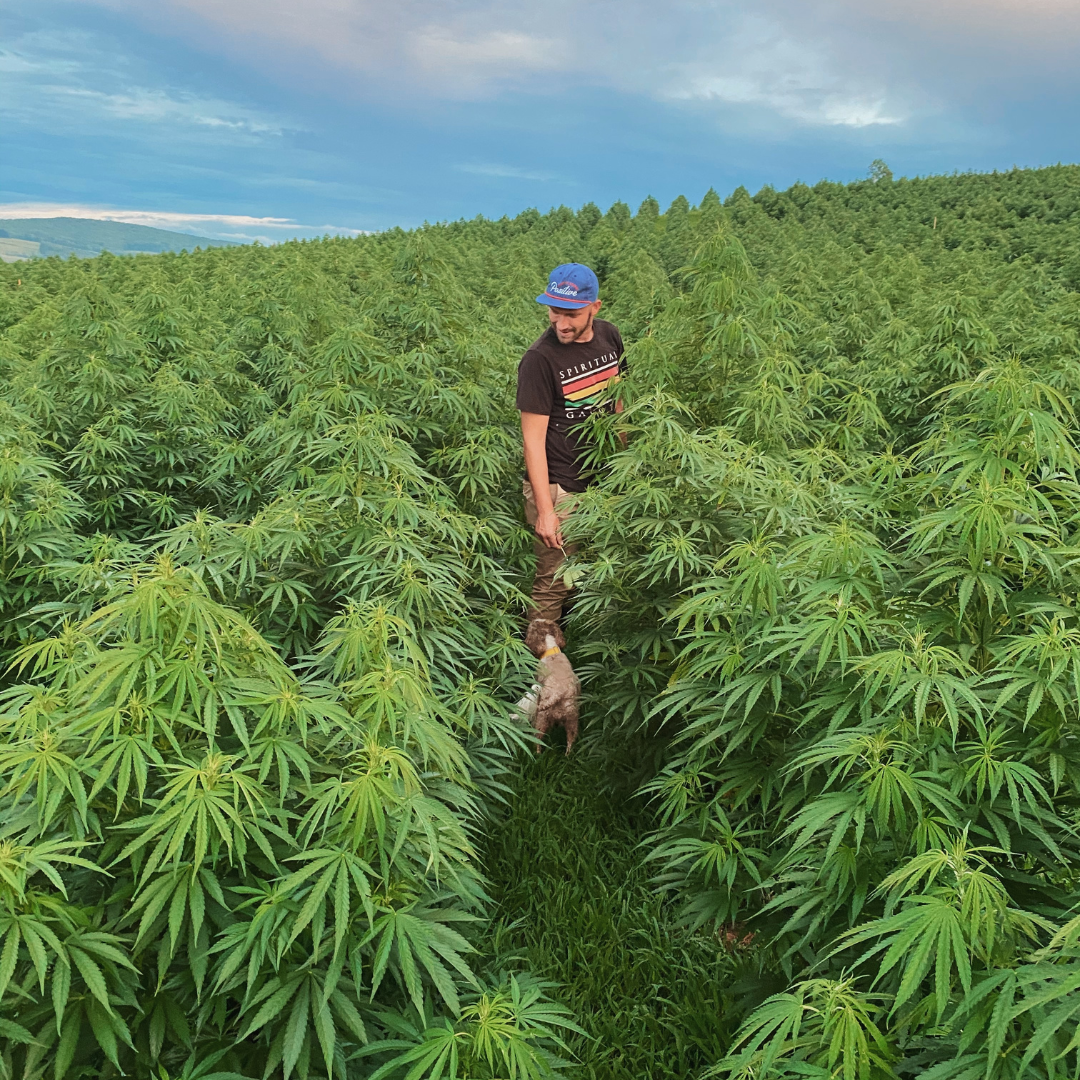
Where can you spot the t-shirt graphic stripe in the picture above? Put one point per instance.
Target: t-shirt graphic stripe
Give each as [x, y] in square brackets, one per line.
[589, 393]
[572, 386]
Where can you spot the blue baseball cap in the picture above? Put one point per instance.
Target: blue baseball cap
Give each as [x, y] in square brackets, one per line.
[572, 285]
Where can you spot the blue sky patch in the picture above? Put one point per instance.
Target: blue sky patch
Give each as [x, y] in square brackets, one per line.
[261, 119]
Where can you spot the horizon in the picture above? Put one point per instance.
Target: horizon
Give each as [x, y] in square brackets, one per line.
[143, 218]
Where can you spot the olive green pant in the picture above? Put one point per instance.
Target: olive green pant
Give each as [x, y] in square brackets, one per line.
[549, 591]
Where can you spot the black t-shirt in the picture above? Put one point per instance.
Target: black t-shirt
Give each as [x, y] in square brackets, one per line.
[569, 383]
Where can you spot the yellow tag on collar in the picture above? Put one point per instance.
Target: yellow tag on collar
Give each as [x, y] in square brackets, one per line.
[550, 652]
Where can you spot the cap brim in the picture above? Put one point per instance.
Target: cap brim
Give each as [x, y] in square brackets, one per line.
[561, 301]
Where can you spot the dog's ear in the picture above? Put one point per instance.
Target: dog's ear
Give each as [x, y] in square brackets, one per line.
[533, 637]
[537, 633]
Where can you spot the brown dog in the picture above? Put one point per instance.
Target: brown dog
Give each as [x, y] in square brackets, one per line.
[557, 702]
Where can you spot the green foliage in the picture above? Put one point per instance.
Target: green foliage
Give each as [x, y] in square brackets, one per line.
[575, 901]
[259, 629]
[261, 562]
[832, 574]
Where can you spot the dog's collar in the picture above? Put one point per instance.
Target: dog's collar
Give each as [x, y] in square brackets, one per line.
[550, 652]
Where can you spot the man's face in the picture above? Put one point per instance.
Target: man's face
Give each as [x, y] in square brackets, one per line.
[573, 324]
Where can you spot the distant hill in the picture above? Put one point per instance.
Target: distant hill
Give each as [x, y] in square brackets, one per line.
[37, 238]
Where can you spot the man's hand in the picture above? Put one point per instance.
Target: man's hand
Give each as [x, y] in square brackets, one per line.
[549, 528]
[534, 432]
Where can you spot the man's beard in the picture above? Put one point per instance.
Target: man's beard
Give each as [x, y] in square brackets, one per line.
[580, 333]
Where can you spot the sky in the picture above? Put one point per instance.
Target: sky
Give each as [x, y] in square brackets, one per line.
[265, 119]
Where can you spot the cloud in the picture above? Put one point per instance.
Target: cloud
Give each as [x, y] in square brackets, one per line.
[216, 226]
[763, 66]
[508, 172]
[841, 64]
[463, 49]
[1003, 18]
[65, 82]
[162, 107]
[495, 54]
[713, 51]
[807, 104]
[16, 63]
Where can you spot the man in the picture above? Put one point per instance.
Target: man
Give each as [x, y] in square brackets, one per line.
[563, 378]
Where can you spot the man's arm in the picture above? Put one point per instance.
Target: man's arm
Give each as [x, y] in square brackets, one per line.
[534, 435]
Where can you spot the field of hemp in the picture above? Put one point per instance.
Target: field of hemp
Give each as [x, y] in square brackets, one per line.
[264, 810]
